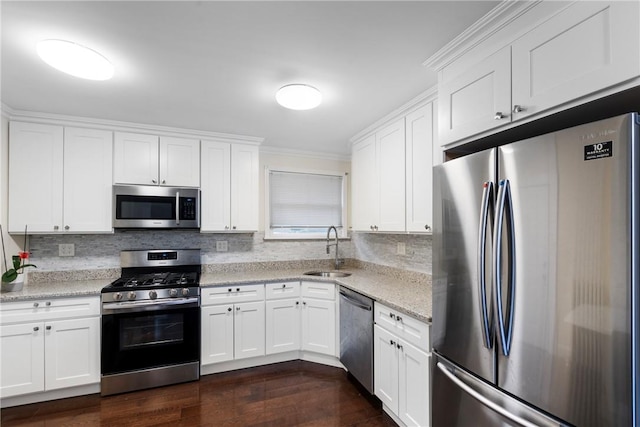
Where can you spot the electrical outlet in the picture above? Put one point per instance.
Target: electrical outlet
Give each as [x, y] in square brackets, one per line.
[67, 249]
[401, 249]
[222, 246]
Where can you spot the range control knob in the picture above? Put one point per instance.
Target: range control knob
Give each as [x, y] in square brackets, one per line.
[117, 296]
[173, 292]
[185, 292]
[131, 295]
[153, 294]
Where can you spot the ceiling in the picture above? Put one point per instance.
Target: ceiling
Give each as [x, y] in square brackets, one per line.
[215, 66]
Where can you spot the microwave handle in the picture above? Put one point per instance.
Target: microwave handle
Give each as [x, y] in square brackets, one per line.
[177, 208]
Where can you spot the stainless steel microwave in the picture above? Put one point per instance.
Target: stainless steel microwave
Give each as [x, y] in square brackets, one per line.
[142, 206]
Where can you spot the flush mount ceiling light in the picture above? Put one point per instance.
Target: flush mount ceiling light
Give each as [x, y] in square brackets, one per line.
[299, 97]
[75, 59]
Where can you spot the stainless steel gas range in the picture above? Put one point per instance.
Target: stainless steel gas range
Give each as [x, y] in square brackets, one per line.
[151, 321]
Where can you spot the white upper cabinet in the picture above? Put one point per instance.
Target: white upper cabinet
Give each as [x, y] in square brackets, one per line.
[179, 162]
[587, 47]
[229, 185]
[88, 166]
[477, 100]
[59, 179]
[364, 193]
[149, 160]
[391, 176]
[135, 159]
[419, 177]
[546, 57]
[378, 171]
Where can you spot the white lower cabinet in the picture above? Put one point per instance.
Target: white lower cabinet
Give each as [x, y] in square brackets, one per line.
[402, 375]
[54, 351]
[233, 331]
[282, 317]
[319, 317]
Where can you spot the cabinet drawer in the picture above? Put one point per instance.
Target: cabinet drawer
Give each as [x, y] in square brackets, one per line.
[319, 290]
[49, 309]
[403, 326]
[231, 294]
[281, 290]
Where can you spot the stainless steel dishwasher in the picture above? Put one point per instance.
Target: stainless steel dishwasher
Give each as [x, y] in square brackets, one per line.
[356, 336]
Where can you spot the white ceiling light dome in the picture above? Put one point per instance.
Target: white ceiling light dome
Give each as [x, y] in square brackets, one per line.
[75, 59]
[299, 96]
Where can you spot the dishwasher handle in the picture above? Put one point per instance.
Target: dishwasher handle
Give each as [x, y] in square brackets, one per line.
[356, 303]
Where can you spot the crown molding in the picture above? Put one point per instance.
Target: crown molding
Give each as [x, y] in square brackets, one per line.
[496, 19]
[423, 98]
[115, 125]
[303, 153]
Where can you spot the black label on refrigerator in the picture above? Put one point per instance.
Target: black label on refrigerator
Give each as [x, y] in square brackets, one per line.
[598, 151]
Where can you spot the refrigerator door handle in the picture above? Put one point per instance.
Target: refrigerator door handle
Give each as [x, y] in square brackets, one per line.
[485, 310]
[504, 205]
[482, 399]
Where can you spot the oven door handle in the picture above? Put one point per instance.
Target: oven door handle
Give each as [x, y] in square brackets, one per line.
[153, 305]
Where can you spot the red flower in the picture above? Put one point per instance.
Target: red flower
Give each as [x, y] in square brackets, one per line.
[23, 255]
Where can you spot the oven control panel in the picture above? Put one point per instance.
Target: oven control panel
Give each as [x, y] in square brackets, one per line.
[153, 294]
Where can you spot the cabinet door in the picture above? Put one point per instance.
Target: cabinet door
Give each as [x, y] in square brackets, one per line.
[282, 325]
[477, 100]
[244, 187]
[22, 351]
[364, 188]
[419, 163]
[35, 177]
[587, 47]
[385, 372]
[72, 353]
[391, 177]
[179, 162]
[414, 384]
[249, 330]
[135, 159]
[88, 180]
[215, 186]
[319, 326]
[217, 333]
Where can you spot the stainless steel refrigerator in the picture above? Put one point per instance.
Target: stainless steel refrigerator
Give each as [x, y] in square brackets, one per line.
[535, 281]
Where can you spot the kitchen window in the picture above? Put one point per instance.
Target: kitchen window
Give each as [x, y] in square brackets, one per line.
[304, 204]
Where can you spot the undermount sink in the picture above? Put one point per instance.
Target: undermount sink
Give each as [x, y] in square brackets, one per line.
[327, 273]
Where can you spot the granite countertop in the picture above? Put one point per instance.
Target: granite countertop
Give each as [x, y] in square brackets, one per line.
[412, 297]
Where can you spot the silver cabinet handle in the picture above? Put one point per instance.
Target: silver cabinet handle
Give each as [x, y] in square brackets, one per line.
[427, 227]
[297, 302]
[499, 115]
[36, 304]
[398, 346]
[234, 227]
[229, 309]
[229, 290]
[393, 316]
[371, 227]
[226, 227]
[518, 109]
[237, 289]
[66, 227]
[237, 308]
[36, 329]
[154, 181]
[48, 304]
[284, 285]
[55, 227]
[399, 319]
[392, 342]
[375, 227]
[164, 181]
[304, 303]
[48, 327]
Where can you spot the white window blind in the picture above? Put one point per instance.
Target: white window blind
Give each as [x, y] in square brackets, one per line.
[305, 200]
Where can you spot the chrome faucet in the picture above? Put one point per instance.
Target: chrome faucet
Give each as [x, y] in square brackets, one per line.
[338, 262]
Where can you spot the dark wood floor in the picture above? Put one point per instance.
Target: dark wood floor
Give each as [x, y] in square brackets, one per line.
[285, 394]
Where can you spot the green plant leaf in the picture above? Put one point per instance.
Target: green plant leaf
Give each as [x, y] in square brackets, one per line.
[16, 261]
[26, 265]
[10, 275]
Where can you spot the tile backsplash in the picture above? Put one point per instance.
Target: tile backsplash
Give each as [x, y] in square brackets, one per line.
[102, 251]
